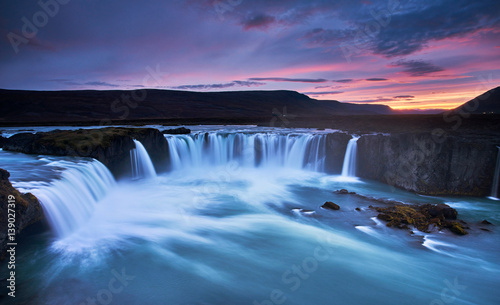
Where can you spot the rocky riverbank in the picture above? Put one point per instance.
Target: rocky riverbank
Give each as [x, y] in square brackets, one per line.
[422, 217]
[111, 146]
[27, 210]
[420, 163]
[414, 161]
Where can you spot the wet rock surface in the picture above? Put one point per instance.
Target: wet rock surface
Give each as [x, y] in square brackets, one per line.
[111, 146]
[180, 130]
[426, 164]
[423, 217]
[27, 210]
[331, 206]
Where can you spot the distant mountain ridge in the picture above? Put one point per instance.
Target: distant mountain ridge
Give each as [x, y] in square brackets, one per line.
[92, 105]
[486, 103]
[84, 106]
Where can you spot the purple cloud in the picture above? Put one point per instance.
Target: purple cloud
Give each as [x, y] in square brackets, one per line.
[296, 80]
[417, 67]
[322, 92]
[258, 21]
[347, 80]
[404, 97]
[218, 86]
[376, 79]
[100, 84]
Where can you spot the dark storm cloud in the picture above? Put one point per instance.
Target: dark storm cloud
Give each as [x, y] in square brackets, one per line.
[296, 80]
[413, 28]
[206, 44]
[417, 67]
[399, 28]
[259, 13]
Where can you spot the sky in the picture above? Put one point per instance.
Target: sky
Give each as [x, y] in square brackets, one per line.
[408, 54]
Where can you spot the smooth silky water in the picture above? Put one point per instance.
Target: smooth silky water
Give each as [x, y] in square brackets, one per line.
[238, 220]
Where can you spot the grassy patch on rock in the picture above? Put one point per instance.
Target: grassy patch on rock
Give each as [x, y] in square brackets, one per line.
[422, 217]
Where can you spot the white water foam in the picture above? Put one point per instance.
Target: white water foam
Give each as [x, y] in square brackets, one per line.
[142, 166]
[70, 201]
[349, 166]
[295, 151]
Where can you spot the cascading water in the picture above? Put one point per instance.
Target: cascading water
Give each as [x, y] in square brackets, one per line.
[69, 201]
[203, 226]
[298, 151]
[142, 166]
[496, 178]
[349, 167]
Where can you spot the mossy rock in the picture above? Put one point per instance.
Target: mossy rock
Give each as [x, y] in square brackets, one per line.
[457, 228]
[421, 217]
[111, 145]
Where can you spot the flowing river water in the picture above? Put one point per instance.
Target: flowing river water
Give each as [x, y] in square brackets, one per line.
[234, 224]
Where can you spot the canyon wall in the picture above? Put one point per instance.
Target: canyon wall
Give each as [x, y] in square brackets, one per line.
[111, 146]
[421, 163]
[417, 162]
[336, 145]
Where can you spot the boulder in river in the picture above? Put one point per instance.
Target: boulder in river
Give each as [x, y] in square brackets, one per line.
[344, 192]
[331, 206]
[422, 217]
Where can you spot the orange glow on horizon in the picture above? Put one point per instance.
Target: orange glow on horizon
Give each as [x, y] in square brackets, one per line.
[427, 100]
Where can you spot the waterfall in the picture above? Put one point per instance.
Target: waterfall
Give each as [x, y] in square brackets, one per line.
[349, 166]
[496, 178]
[298, 151]
[70, 201]
[142, 166]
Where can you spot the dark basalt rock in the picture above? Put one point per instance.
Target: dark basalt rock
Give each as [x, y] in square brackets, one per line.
[331, 206]
[111, 146]
[27, 209]
[440, 211]
[336, 144]
[180, 130]
[344, 192]
[422, 217]
[485, 222]
[427, 164]
[2, 141]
